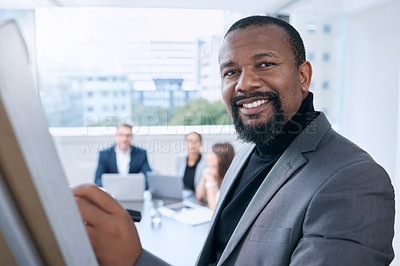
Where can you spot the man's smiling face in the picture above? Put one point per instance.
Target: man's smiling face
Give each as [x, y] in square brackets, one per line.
[261, 83]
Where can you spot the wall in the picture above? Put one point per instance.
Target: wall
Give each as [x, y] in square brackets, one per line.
[371, 92]
[371, 70]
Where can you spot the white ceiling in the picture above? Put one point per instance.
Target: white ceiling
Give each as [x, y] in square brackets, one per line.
[258, 6]
[247, 6]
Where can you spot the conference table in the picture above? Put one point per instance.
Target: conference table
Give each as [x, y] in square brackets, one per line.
[174, 242]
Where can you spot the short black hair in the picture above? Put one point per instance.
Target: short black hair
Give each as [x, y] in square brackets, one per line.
[294, 40]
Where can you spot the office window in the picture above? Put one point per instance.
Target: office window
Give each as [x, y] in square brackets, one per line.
[170, 70]
[125, 54]
[326, 58]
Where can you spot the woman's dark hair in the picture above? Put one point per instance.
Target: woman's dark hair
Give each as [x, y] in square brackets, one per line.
[225, 154]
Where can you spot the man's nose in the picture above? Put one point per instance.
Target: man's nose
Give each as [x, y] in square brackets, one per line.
[248, 80]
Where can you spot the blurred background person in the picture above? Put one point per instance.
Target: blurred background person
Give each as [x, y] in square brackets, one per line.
[123, 157]
[218, 161]
[191, 164]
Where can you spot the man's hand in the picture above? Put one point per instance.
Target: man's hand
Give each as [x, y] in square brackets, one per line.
[111, 230]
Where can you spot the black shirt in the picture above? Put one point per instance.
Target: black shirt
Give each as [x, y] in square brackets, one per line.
[188, 177]
[253, 174]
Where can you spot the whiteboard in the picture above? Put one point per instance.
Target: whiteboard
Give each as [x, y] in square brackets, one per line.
[40, 223]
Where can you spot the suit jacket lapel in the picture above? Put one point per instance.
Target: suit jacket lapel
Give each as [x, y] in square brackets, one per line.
[289, 162]
[227, 182]
[231, 176]
[284, 168]
[113, 160]
[132, 162]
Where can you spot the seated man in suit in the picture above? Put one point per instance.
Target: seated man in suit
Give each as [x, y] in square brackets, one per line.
[298, 194]
[123, 157]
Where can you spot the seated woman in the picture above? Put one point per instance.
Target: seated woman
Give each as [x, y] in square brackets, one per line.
[218, 159]
[191, 164]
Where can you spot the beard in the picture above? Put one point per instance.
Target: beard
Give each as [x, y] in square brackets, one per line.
[263, 133]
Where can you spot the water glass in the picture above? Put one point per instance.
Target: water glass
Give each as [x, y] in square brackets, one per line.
[155, 213]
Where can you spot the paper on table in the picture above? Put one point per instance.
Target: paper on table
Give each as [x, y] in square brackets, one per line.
[188, 213]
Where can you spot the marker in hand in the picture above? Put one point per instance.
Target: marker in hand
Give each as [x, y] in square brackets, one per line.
[135, 215]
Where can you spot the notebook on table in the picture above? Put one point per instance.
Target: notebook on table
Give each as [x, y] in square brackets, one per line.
[187, 212]
[128, 187]
[165, 186]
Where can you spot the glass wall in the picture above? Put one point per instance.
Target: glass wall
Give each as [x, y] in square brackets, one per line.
[153, 67]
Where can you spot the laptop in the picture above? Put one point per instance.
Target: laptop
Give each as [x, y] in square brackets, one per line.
[128, 187]
[165, 186]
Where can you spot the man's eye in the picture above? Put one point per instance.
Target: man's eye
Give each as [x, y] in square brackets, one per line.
[266, 64]
[230, 73]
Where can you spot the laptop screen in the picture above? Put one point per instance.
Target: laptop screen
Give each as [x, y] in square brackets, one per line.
[165, 186]
[128, 187]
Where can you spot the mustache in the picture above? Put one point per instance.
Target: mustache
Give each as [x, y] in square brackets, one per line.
[269, 95]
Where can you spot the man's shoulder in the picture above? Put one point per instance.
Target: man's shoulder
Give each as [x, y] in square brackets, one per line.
[343, 148]
[137, 149]
[108, 150]
[334, 147]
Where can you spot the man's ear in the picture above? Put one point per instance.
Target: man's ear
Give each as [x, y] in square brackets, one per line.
[305, 74]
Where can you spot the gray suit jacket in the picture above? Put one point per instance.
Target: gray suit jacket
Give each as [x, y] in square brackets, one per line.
[325, 202]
